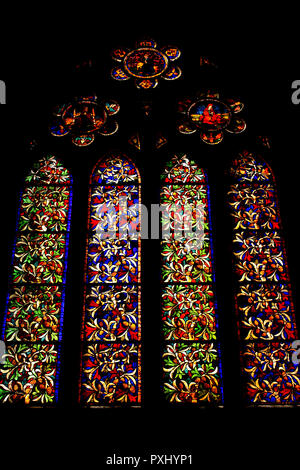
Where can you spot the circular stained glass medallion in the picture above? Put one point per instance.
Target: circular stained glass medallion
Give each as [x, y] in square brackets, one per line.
[210, 115]
[145, 63]
[84, 117]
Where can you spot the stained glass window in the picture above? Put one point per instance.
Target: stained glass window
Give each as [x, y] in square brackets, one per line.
[111, 329]
[210, 116]
[264, 305]
[84, 118]
[191, 357]
[146, 64]
[33, 321]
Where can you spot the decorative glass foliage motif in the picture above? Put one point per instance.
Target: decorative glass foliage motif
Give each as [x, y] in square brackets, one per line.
[270, 374]
[260, 257]
[48, 171]
[112, 260]
[125, 199]
[84, 118]
[254, 207]
[33, 320]
[30, 374]
[182, 170]
[211, 117]
[119, 171]
[192, 373]
[34, 313]
[191, 357]
[44, 208]
[266, 312]
[111, 328]
[146, 64]
[266, 315]
[112, 313]
[188, 312]
[184, 263]
[111, 373]
[39, 258]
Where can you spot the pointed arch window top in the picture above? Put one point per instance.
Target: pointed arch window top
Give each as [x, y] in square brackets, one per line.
[114, 169]
[248, 169]
[48, 170]
[180, 169]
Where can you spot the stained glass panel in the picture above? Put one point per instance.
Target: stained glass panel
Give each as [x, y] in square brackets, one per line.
[112, 260]
[260, 257]
[44, 208]
[111, 328]
[254, 207]
[32, 327]
[183, 263]
[146, 64]
[112, 313]
[119, 170]
[182, 170]
[84, 118]
[111, 374]
[210, 116]
[30, 374]
[191, 355]
[192, 373]
[39, 258]
[115, 207]
[188, 312]
[270, 374]
[266, 315]
[34, 313]
[266, 312]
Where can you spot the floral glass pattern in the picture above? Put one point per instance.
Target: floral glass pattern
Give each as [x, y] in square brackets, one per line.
[191, 358]
[33, 321]
[146, 64]
[84, 118]
[263, 298]
[111, 326]
[211, 117]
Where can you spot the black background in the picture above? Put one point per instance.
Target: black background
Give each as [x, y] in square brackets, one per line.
[257, 58]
